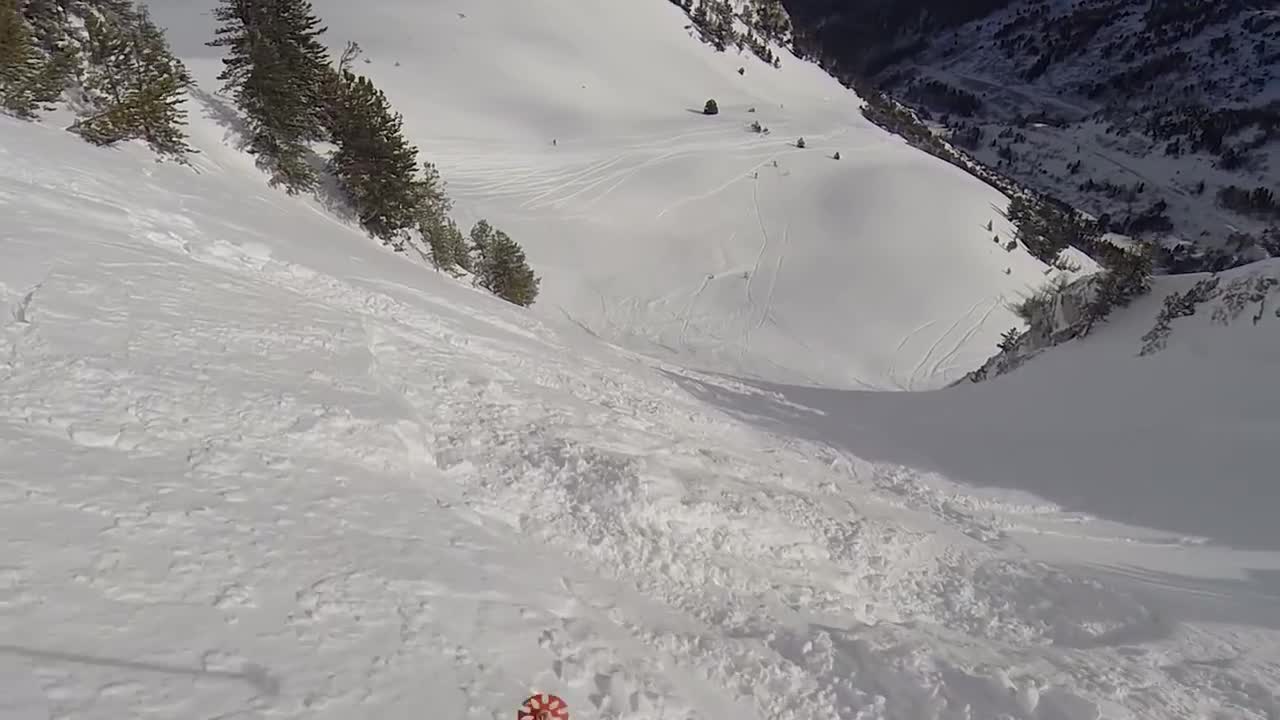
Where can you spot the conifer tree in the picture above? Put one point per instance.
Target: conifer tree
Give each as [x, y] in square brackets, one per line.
[434, 202]
[448, 247]
[138, 82]
[481, 238]
[501, 267]
[771, 19]
[20, 62]
[723, 32]
[50, 24]
[374, 163]
[276, 70]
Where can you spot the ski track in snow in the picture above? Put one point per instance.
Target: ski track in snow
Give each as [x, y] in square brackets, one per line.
[902, 344]
[964, 339]
[933, 348]
[764, 239]
[688, 311]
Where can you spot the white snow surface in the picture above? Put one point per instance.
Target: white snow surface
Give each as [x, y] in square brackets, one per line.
[252, 465]
[671, 232]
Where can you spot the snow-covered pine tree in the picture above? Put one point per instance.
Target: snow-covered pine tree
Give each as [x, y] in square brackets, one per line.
[501, 267]
[276, 70]
[375, 165]
[51, 24]
[20, 62]
[138, 84]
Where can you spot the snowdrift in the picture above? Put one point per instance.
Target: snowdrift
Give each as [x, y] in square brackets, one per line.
[675, 233]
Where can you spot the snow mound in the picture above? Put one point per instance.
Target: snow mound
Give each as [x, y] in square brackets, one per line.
[675, 233]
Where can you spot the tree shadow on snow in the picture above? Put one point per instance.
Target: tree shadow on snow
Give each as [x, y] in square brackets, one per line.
[256, 676]
[1191, 473]
[236, 133]
[1129, 468]
[225, 115]
[1129, 464]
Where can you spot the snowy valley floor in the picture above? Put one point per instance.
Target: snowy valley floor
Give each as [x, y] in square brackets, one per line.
[253, 466]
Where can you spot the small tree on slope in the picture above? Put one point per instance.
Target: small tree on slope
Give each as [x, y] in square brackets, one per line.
[501, 267]
[448, 247]
[276, 68]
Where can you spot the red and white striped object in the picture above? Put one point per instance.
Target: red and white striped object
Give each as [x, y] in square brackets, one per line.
[543, 707]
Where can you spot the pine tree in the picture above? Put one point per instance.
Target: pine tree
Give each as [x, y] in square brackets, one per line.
[374, 163]
[771, 19]
[481, 238]
[138, 82]
[448, 247]
[277, 70]
[501, 267]
[723, 33]
[434, 202]
[20, 62]
[50, 24]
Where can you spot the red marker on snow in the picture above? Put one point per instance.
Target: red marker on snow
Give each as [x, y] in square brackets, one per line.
[543, 707]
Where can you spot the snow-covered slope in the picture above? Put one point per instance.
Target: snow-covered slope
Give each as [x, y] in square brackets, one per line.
[1165, 416]
[672, 232]
[253, 465]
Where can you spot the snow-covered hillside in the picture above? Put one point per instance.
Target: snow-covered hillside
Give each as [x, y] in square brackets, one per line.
[254, 465]
[672, 232]
[257, 466]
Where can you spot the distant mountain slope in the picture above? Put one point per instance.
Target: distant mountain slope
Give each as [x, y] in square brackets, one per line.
[1164, 117]
[577, 127]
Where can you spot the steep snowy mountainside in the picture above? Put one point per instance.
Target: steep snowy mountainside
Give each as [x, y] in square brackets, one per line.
[576, 127]
[1144, 112]
[1164, 417]
[254, 465]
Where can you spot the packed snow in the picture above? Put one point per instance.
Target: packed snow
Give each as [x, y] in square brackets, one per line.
[252, 465]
